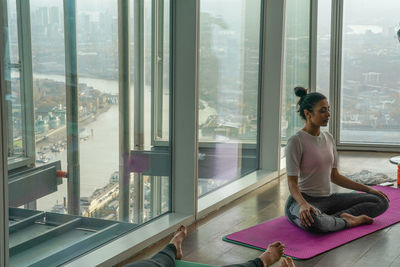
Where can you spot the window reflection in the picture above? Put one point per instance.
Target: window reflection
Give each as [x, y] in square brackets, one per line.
[296, 64]
[228, 91]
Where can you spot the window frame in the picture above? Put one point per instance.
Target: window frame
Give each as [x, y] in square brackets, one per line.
[4, 255]
[335, 85]
[24, 66]
[157, 71]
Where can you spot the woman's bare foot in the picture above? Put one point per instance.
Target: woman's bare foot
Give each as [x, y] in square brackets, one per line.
[272, 254]
[287, 262]
[177, 239]
[356, 220]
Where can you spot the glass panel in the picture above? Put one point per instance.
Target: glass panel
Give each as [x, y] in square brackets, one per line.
[370, 78]
[164, 124]
[48, 64]
[296, 65]
[97, 35]
[228, 91]
[323, 47]
[147, 43]
[12, 31]
[13, 92]
[17, 148]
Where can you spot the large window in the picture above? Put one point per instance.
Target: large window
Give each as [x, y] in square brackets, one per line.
[150, 111]
[228, 91]
[40, 49]
[370, 98]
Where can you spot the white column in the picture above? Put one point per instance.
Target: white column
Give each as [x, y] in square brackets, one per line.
[124, 104]
[272, 66]
[185, 38]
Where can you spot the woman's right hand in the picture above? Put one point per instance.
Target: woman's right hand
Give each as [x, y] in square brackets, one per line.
[306, 218]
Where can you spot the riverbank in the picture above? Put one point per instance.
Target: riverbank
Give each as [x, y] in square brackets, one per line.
[98, 157]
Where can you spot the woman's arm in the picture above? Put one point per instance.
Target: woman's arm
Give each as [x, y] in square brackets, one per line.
[345, 182]
[305, 208]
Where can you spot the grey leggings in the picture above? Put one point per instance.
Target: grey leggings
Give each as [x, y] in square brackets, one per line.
[166, 258]
[330, 208]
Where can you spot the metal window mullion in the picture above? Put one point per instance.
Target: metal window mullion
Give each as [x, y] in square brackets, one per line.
[155, 193]
[158, 187]
[10, 131]
[26, 79]
[9, 121]
[336, 66]
[160, 67]
[313, 45]
[124, 105]
[138, 74]
[138, 119]
[157, 58]
[368, 147]
[72, 102]
[7, 77]
[260, 87]
[4, 258]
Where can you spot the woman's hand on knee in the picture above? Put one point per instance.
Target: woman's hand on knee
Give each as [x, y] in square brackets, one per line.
[305, 215]
[378, 193]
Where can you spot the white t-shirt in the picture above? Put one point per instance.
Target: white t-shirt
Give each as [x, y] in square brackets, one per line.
[311, 159]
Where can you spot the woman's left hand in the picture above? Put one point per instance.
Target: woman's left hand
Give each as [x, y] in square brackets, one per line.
[378, 193]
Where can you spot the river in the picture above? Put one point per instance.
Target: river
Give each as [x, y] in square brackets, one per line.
[98, 159]
[99, 153]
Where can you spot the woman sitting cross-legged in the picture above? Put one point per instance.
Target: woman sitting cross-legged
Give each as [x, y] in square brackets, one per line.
[311, 164]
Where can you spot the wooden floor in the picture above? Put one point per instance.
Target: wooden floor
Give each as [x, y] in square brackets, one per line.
[204, 244]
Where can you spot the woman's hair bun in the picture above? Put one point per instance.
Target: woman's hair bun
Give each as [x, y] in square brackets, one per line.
[300, 91]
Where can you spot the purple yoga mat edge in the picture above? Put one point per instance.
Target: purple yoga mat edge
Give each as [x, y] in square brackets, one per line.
[347, 235]
[226, 239]
[250, 246]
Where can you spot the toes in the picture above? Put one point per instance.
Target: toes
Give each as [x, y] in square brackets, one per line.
[284, 263]
[181, 229]
[287, 262]
[276, 244]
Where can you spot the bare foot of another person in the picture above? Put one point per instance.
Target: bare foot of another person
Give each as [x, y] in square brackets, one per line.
[287, 262]
[356, 220]
[273, 253]
[177, 239]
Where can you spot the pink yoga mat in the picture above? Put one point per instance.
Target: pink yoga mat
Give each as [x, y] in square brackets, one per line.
[303, 245]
